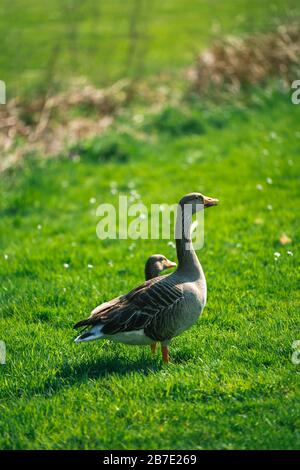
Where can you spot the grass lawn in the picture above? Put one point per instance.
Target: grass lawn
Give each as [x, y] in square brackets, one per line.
[231, 383]
[107, 40]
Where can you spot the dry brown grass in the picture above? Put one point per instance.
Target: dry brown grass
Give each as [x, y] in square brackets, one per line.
[49, 124]
[232, 63]
[46, 125]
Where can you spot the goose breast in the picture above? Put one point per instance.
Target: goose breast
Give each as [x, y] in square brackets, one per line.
[181, 315]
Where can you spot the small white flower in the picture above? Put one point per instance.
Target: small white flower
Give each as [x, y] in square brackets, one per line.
[66, 265]
[290, 253]
[273, 135]
[172, 244]
[269, 207]
[269, 180]
[134, 194]
[190, 159]
[113, 187]
[92, 200]
[259, 187]
[39, 227]
[138, 118]
[64, 289]
[276, 254]
[90, 266]
[110, 263]
[5, 256]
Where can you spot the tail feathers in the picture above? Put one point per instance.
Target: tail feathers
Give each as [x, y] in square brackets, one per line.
[90, 335]
[81, 323]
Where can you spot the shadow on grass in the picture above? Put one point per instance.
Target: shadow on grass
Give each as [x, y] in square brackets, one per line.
[72, 374]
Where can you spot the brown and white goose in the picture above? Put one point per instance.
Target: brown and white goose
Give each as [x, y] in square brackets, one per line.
[153, 267]
[160, 308]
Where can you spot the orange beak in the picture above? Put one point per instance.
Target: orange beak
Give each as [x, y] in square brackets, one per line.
[210, 201]
[169, 264]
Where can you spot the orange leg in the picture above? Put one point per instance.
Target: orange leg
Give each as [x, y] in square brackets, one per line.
[165, 354]
[153, 348]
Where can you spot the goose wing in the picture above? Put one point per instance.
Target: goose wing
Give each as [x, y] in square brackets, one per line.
[136, 309]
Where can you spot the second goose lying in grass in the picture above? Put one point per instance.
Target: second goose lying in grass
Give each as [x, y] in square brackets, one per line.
[160, 308]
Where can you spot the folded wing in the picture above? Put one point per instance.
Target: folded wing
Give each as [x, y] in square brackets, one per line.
[137, 309]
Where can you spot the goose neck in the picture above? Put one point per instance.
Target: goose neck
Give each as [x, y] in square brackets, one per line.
[187, 258]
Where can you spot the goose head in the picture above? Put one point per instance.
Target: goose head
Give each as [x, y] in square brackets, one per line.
[156, 264]
[197, 201]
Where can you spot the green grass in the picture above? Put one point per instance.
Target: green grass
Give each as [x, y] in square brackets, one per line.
[231, 383]
[108, 40]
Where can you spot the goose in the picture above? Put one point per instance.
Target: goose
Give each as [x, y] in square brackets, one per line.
[163, 307]
[156, 264]
[153, 267]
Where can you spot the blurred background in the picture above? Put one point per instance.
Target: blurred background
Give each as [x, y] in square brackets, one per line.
[152, 100]
[105, 41]
[66, 59]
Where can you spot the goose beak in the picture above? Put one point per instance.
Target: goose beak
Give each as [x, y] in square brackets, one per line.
[210, 201]
[170, 264]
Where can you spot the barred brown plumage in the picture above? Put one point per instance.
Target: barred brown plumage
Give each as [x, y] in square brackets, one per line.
[136, 309]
